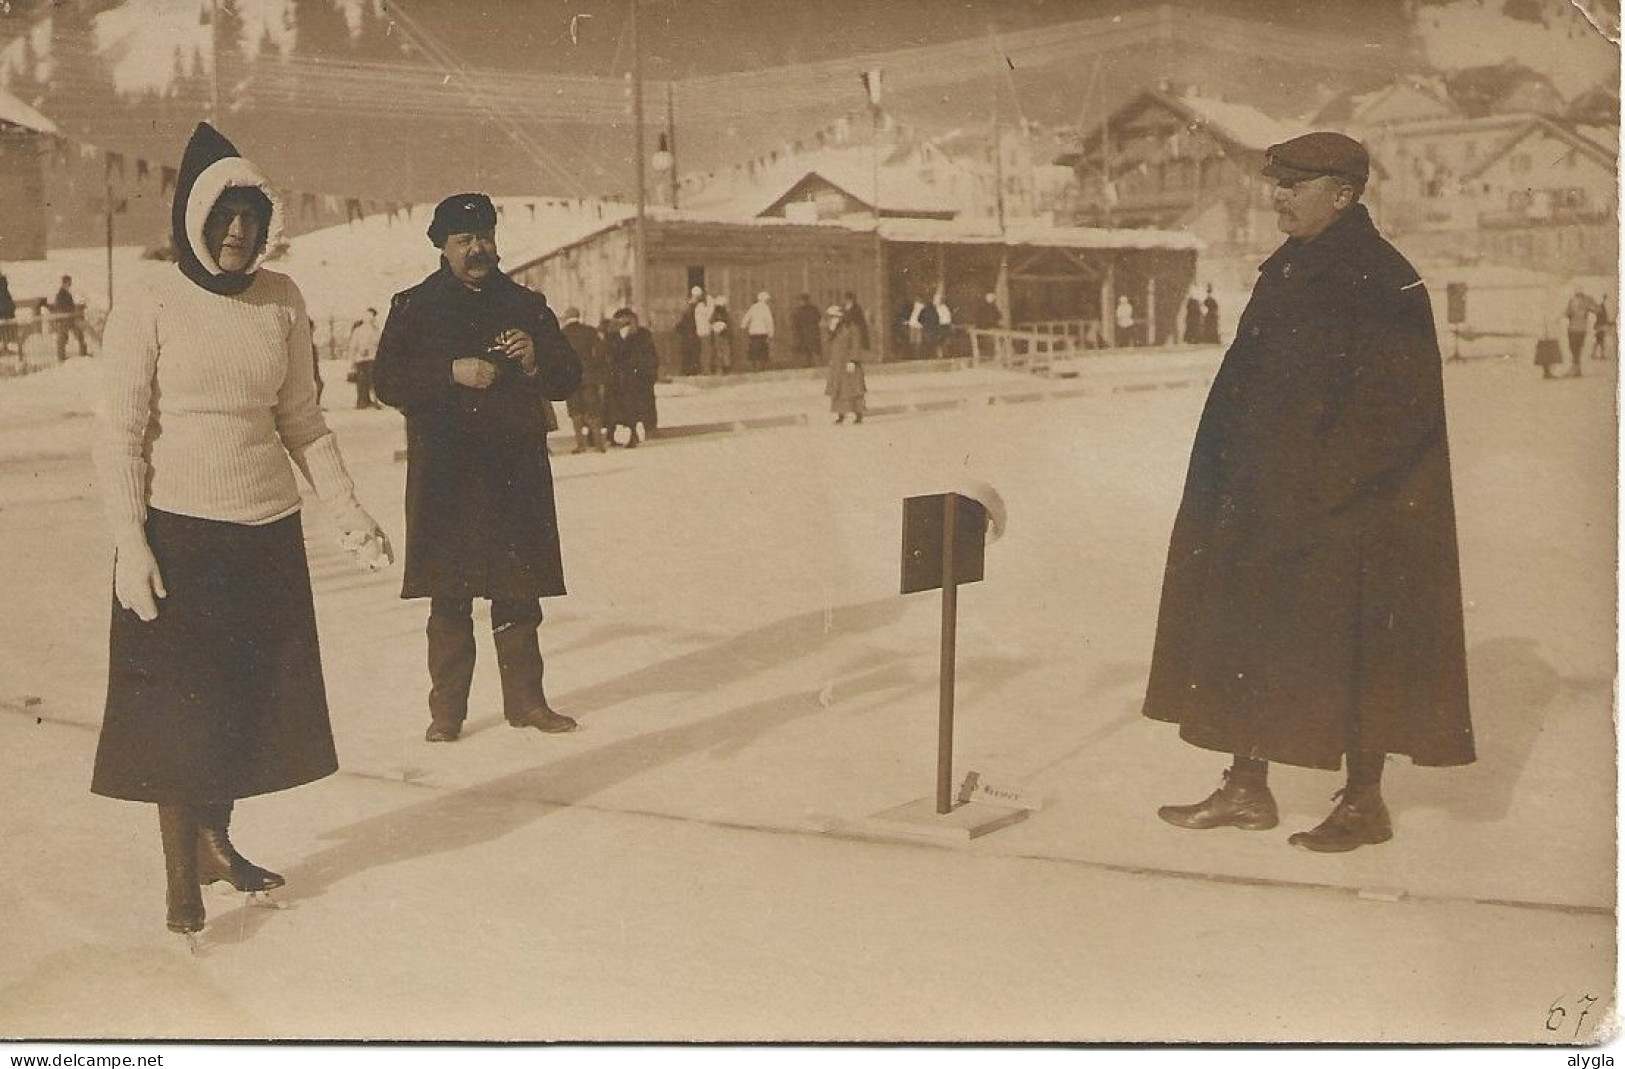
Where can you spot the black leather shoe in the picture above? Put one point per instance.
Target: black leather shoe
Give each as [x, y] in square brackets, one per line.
[1233, 805]
[543, 719]
[443, 731]
[1359, 819]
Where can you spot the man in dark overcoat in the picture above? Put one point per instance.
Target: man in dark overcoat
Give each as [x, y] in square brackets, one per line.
[471, 358]
[1311, 609]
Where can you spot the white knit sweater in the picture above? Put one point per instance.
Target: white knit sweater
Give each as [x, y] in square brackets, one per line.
[205, 398]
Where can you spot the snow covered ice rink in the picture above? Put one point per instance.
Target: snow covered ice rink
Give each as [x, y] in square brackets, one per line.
[696, 862]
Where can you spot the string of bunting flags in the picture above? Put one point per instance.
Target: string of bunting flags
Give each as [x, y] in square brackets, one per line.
[127, 175]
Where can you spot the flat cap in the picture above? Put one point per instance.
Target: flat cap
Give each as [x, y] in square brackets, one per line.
[1319, 153]
[462, 213]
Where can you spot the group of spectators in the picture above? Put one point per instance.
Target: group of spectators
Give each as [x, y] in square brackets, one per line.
[924, 328]
[619, 368]
[705, 333]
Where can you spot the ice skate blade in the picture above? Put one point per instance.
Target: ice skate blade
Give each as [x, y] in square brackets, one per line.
[263, 900]
[188, 940]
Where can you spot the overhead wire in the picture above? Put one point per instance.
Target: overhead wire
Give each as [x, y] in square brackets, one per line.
[443, 56]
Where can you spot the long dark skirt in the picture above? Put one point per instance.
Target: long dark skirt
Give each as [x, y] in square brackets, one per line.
[221, 696]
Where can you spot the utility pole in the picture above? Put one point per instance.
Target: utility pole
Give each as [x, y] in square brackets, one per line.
[998, 168]
[214, 62]
[1001, 282]
[671, 141]
[640, 251]
[107, 205]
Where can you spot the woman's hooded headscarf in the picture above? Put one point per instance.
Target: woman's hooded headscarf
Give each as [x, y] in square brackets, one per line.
[210, 166]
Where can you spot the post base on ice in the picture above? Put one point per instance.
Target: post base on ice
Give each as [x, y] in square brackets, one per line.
[964, 822]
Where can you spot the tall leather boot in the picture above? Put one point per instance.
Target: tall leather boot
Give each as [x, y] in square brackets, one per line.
[519, 656]
[177, 828]
[451, 674]
[217, 859]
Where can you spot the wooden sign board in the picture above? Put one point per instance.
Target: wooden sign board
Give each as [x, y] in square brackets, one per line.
[922, 541]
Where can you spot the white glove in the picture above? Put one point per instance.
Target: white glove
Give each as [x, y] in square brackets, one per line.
[137, 583]
[362, 538]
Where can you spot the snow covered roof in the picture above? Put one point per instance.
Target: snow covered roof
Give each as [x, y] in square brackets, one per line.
[1604, 137]
[1604, 152]
[1241, 124]
[17, 113]
[906, 184]
[1019, 233]
[345, 269]
[1033, 233]
[1416, 96]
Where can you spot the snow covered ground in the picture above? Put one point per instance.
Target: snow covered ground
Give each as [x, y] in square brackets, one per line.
[698, 861]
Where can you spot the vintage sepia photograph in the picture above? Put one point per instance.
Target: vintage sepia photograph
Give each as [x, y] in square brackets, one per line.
[760, 522]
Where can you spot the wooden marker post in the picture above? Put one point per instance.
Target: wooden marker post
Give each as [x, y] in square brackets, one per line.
[945, 685]
[944, 542]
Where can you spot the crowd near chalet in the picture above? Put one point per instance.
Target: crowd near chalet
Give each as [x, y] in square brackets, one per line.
[1108, 231]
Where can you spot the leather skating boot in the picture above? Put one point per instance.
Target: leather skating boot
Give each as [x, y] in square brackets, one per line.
[178, 828]
[217, 859]
[524, 703]
[1238, 803]
[451, 674]
[1359, 819]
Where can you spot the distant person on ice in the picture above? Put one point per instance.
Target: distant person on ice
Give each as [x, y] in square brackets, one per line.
[10, 335]
[689, 328]
[634, 365]
[70, 319]
[844, 383]
[1210, 318]
[1193, 319]
[586, 405]
[363, 347]
[1123, 317]
[806, 330]
[757, 323]
[1311, 609]
[1578, 315]
[214, 688]
[470, 356]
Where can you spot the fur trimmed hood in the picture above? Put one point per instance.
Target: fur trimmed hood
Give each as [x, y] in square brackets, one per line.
[210, 166]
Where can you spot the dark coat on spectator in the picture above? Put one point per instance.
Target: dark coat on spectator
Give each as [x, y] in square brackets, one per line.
[1312, 578]
[480, 519]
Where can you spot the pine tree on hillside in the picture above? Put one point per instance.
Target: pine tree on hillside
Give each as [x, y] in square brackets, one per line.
[79, 96]
[320, 29]
[375, 41]
[26, 84]
[234, 69]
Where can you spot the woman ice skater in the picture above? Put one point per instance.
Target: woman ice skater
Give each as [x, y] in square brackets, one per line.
[214, 686]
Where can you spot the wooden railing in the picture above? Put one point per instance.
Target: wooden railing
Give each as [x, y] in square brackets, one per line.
[1032, 346]
[1086, 331]
[30, 342]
